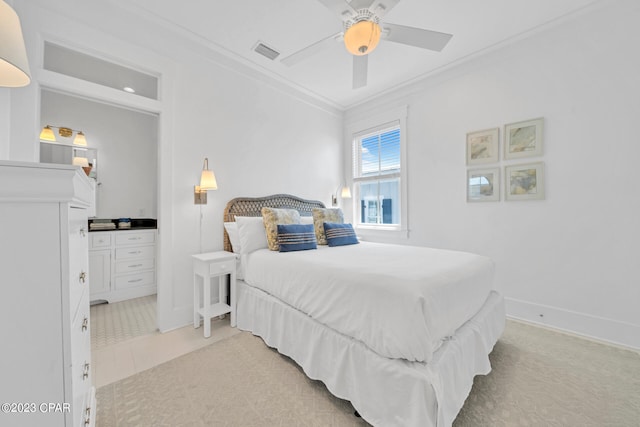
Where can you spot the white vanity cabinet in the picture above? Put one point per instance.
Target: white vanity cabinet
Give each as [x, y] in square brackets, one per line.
[45, 362]
[124, 262]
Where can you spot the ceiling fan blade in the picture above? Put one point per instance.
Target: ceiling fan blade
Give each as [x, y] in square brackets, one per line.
[382, 7]
[311, 50]
[340, 7]
[361, 4]
[426, 39]
[360, 65]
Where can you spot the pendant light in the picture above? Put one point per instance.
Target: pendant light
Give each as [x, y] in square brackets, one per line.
[14, 66]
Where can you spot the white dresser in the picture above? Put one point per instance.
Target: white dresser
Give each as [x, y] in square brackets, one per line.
[122, 264]
[44, 310]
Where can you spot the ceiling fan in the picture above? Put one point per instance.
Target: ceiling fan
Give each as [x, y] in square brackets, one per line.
[363, 28]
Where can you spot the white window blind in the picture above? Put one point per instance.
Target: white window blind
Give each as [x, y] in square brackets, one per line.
[377, 174]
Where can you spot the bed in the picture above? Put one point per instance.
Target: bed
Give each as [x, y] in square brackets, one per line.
[363, 319]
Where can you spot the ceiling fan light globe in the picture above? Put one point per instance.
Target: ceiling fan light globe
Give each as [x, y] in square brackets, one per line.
[362, 37]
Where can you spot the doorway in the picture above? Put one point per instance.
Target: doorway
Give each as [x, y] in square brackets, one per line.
[123, 143]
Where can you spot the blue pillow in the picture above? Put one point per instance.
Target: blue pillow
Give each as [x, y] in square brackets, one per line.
[296, 237]
[340, 234]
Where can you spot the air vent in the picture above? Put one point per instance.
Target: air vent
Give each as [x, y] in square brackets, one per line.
[266, 51]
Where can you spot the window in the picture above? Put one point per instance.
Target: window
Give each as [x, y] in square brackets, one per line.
[377, 168]
[378, 147]
[82, 66]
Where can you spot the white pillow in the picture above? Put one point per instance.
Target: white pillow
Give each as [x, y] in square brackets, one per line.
[234, 236]
[252, 233]
[306, 219]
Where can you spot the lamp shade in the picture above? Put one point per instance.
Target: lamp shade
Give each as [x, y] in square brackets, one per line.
[346, 193]
[208, 181]
[47, 134]
[362, 37]
[80, 139]
[14, 67]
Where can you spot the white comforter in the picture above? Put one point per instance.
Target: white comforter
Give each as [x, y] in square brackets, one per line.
[400, 301]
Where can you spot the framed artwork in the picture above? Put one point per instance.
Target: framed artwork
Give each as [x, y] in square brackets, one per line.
[524, 182]
[523, 139]
[482, 146]
[483, 185]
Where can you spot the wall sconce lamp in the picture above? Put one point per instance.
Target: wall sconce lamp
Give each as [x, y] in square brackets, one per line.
[48, 135]
[207, 182]
[14, 66]
[345, 193]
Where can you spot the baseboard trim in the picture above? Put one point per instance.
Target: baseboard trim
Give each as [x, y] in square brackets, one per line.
[607, 331]
[125, 294]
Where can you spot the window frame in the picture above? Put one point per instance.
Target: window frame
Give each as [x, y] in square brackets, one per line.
[359, 128]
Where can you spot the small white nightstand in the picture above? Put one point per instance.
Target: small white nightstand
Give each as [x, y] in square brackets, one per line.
[209, 265]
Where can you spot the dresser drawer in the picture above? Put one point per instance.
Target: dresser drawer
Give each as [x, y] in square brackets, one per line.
[136, 252]
[99, 240]
[81, 359]
[81, 332]
[78, 227]
[133, 280]
[81, 327]
[135, 238]
[90, 409]
[78, 257]
[81, 364]
[78, 282]
[81, 392]
[131, 266]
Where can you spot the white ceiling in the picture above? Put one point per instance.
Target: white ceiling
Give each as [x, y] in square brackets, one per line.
[234, 26]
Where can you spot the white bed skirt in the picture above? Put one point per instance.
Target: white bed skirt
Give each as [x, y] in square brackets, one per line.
[386, 392]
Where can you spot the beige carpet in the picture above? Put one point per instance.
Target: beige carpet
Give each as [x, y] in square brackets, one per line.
[121, 321]
[540, 378]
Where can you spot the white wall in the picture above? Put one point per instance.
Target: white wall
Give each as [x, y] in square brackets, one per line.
[4, 122]
[259, 137]
[127, 144]
[571, 258]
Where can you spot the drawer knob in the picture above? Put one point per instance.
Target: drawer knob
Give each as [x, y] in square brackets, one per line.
[85, 372]
[222, 267]
[85, 324]
[83, 277]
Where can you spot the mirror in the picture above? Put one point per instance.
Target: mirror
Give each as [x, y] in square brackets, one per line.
[51, 152]
[121, 144]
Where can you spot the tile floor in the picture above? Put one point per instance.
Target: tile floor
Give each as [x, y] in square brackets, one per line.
[118, 361]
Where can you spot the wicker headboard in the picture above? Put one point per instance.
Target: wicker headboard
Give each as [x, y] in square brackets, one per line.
[252, 206]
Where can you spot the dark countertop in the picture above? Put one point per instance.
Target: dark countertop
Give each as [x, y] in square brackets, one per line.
[136, 224]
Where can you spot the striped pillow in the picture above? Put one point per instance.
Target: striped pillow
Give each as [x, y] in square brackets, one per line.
[340, 234]
[320, 216]
[296, 237]
[272, 217]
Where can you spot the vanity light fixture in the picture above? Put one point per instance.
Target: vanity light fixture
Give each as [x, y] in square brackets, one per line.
[14, 66]
[80, 139]
[207, 182]
[47, 134]
[65, 132]
[345, 193]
